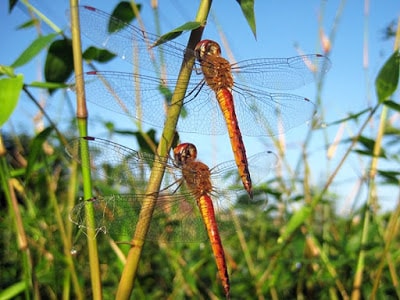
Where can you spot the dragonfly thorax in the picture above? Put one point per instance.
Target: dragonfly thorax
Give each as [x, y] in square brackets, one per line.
[217, 73]
[216, 69]
[197, 177]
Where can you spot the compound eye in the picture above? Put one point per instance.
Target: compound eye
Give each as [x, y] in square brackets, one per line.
[184, 153]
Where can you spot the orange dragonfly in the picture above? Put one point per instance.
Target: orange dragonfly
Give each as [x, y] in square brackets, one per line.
[190, 199]
[243, 106]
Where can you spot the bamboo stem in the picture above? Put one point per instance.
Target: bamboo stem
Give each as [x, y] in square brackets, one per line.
[82, 116]
[129, 273]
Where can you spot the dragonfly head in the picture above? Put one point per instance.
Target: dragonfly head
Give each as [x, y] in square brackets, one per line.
[206, 48]
[183, 153]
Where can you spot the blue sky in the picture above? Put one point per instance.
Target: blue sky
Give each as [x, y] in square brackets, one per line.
[283, 27]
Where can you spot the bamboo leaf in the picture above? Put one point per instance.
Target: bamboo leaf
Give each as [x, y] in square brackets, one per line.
[99, 55]
[10, 89]
[352, 116]
[390, 177]
[48, 85]
[9, 71]
[59, 61]
[388, 77]
[247, 7]
[368, 145]
[36, 149]
[393, 105]
[295, 221]
[173, 34]
[12, 291]
[28, 24]
[122, 15]
[11, 4]
[33, 49]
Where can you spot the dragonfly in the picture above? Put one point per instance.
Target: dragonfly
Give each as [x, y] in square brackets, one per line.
[192, 202]
[220, 97]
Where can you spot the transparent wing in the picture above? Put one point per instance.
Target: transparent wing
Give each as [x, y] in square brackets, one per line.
[131, 43]
[281, 73]
[176, 216]
[145, 97]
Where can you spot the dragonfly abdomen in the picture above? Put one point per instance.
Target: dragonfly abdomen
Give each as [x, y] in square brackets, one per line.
[206, 207]
[218, 76]
[225, 100]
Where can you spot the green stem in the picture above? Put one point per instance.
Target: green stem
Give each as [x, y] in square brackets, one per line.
[64, 237]
[86, 176]
[371, 204]
[129, 273]
[300, 216]
[15, 214]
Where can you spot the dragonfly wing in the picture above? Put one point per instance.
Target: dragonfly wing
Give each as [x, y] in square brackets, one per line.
[202, 114]
[261, 113]
[119, 168]
[146, 99]
[131, 43]
[174, 219]
[114, 215]
[140, 97]
[116, 168]
[225, 176]
[281, 73]
[177, 219]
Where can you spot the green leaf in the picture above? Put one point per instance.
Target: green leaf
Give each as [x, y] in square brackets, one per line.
[350, 117]
[59, 61]
[393, 105]
[11, 5]
[391, 177]
[388, 77]
[369, 153]
[28, 24]
[99, 55]
[9, 71]
[247, 7]
[143, 144]
[294, 223]
[48, 85]
[122, 15]
[166, 92]
[33, 49]
[10, 89]
[188, 26]
[391, 130]
[368, 145]
[36, 149]
[12, 291]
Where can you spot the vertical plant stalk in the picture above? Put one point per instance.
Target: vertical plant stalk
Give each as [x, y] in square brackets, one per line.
[129, 273]
[391, 229]
[372, 205]
[15, 214]
[301, 215]
[246, 252]
[82, 115]
[65, 238]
